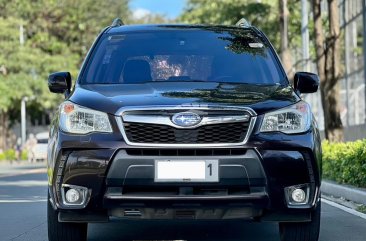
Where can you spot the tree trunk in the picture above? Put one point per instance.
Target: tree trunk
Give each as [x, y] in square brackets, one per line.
[332, 74]
[3, 131]
[285, 52]
[320, 50]
[328, 62]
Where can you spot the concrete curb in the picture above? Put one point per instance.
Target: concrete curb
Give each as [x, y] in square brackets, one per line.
[354, 194]
[344, 208]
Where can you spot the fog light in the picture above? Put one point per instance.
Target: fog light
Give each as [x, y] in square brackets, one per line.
[298, 195]
[72, 195]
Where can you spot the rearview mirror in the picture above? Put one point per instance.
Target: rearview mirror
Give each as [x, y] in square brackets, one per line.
[59, 82]
[306, 82]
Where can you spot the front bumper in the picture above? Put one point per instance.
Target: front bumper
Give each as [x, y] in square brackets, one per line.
[240, 192]
[251, 184]
[252, 177]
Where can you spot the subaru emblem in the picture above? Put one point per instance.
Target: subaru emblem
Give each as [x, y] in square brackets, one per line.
[186, 119]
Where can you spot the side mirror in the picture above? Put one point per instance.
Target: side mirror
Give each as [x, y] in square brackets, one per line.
[305, 82]
[59, 82]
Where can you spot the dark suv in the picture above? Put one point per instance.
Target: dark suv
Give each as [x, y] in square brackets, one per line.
[194, 122]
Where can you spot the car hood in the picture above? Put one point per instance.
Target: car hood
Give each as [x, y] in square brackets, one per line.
[110, 98]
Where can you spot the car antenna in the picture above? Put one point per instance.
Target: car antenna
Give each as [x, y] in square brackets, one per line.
[117, 22]
[243, 23]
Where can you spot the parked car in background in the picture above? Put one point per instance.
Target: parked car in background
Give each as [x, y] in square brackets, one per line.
[40, 149]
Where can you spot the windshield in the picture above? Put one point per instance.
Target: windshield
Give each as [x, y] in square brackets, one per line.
[229, 55]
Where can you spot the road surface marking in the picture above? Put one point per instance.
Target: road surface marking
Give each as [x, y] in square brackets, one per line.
[24, 183]
[23, 201]
[32, 171]
[346, 209]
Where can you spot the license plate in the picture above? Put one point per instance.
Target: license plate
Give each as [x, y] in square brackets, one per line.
[186, 171]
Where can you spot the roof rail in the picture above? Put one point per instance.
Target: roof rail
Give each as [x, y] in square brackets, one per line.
[117, 22]
[243, 23]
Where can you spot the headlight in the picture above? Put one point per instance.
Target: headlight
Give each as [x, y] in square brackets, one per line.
[80, 120]
[293, 119]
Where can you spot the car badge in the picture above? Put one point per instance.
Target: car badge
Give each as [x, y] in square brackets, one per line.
[186, 119]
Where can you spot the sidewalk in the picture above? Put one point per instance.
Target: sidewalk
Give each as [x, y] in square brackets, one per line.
[357, 195]
[22, 167]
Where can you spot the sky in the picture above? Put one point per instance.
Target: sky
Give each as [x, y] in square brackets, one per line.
[170, 8]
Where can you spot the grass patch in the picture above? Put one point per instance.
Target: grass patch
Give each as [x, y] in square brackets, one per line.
[362, 209]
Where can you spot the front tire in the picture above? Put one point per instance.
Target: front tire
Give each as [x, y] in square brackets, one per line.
[64, 231]
[306, 231]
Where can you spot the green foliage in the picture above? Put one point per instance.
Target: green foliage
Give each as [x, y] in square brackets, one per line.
[57, 36]
[27, 68]
[10, 155]
[345, 162]
[294, 24]
[262, 14]
[361, 208]
[24, 155]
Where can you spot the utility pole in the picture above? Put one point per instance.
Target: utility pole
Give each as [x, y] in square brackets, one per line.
[21, 35]
[306, 52]
[305, 34]
[364, 45]
[346, 54]
[23, 118]
[24, 99]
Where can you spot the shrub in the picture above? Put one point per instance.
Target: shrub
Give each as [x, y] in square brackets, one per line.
[345, 162]
[2, 156]
[10, 155]
[24, 155]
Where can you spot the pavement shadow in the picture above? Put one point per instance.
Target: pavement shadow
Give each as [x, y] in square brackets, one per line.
[23, 188]
[184, 230]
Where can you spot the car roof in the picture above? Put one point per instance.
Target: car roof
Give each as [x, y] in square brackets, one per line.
[182, 27]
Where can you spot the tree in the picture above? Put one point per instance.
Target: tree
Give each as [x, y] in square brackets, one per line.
[228, 12]
[57, 35]
[284, 43]
[25, 69]
[328, 63]
[264, 14]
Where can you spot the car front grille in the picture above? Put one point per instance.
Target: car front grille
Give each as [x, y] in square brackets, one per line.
[155, 126]
[186, 152]
[163, 134]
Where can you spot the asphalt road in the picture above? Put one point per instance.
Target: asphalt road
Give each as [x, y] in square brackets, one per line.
[23, 217]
